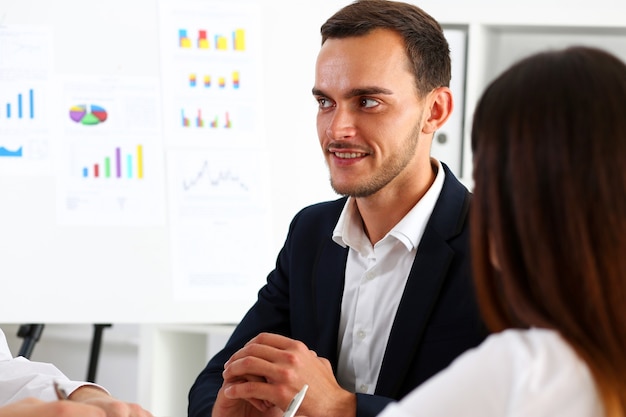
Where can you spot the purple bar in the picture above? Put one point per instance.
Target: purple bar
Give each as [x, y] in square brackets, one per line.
[118, 162]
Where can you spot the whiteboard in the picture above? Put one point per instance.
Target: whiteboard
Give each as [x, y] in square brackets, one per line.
[104, 89]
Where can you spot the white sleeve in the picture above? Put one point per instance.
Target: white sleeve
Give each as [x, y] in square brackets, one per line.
[468, 387]
[21, 378]
[512, 373]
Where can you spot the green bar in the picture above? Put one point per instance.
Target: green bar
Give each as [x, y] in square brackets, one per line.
[107, 167]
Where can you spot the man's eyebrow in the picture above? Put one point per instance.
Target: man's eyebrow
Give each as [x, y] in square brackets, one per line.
[356, 92]
[368, 91]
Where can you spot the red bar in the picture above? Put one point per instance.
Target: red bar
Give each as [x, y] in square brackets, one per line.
[95, 170]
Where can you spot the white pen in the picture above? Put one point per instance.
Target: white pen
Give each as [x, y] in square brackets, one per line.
[295, 403]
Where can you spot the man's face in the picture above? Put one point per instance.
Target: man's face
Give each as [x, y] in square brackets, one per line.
[370, 116]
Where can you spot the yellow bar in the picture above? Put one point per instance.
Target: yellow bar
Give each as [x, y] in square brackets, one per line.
[240, 40]
[139, 161]
[185, 43]
[222, 43]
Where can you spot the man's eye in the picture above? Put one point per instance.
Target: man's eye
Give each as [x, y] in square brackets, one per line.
[324, 102]
[369, 102]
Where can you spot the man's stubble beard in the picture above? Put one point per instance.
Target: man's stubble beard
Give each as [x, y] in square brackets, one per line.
[393, 167]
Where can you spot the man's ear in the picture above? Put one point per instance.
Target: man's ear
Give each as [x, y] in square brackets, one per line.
[440, 104]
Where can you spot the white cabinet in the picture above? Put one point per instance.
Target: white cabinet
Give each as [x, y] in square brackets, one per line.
[498, 34]
[492, 48]
[170, 359]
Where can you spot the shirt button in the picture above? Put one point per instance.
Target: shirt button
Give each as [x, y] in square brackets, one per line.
[363, 388]
[361, 334]
[370, 276]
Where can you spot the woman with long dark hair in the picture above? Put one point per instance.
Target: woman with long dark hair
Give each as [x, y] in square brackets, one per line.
[548, 232]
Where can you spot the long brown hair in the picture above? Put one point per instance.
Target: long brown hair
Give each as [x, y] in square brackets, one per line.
[549, 149]
[426, 45]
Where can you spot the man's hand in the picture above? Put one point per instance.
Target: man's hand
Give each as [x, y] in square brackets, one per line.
[242, 407]
[270, 370]
[32, 407]
[111, 406]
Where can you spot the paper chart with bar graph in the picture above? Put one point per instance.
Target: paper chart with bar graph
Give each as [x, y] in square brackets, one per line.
[211, 72]
[25, 82]
[110, 168]
[219, 209]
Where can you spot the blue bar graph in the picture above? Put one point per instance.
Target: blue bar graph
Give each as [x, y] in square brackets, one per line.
[20, 108]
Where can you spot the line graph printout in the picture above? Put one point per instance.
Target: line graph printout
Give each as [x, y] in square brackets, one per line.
[25, 78]
[211, 72]
[110, 165]
[220, 223]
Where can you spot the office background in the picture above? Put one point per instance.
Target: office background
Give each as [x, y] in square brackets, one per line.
[81, 253]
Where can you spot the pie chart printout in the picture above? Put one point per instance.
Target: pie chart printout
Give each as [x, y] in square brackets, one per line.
[88, 115]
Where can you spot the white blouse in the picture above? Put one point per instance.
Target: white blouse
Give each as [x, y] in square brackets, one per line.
[21, 378]
[515, 373]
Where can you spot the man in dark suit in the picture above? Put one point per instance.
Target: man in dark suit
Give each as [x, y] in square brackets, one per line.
[372, 293]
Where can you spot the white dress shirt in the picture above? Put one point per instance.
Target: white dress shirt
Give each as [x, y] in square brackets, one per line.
[374, 281]
[515, 373]
[21, 378]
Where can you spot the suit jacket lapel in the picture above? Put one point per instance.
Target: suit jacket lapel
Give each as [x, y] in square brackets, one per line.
[423, 286]
[419, 297]
[329, 279]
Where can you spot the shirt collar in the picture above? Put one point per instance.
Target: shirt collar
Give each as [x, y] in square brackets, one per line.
[349, 228]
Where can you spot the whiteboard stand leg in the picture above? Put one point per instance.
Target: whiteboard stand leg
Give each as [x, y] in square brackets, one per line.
[31, 334]
[96, 343]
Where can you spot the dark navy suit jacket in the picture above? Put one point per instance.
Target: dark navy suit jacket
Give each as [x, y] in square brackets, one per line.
[437, 318]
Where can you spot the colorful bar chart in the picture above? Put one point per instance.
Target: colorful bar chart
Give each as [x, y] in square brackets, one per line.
[234, 81]
[220, 41]
[222, 120]
[118, 165]
[23, 107]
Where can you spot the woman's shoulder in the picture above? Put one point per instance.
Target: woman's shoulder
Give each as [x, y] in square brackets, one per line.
[531, 342]
[540, 353]
[546, 372]
[514, 373]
